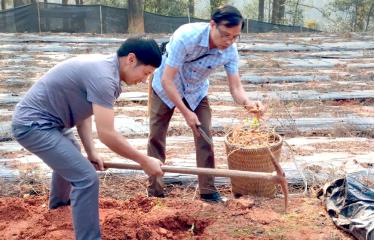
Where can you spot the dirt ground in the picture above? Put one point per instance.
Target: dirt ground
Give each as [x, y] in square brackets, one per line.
[126, 212]
[179, 216]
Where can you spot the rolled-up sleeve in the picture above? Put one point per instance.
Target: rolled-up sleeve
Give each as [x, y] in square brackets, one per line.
[231, 67]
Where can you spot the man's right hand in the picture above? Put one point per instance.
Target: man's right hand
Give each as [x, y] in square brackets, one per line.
[152, 167]
[192, 121]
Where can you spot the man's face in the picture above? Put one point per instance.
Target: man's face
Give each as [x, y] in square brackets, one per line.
[222, 37]
[131, 72]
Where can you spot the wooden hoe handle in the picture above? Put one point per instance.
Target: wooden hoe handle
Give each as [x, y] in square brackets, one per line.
[213, 172]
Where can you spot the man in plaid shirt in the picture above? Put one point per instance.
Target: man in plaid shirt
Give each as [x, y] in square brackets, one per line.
[194, 51]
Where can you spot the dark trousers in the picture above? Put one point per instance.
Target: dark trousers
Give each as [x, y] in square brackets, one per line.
[160, 116]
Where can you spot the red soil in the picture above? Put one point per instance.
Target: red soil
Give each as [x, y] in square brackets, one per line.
[172, 218]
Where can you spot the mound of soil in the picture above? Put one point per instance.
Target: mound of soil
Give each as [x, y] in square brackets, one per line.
[172, 218]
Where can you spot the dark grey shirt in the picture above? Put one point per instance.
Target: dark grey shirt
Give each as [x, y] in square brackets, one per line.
[64, 95]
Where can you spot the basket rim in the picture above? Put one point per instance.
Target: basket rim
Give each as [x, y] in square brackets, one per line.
[238, 147]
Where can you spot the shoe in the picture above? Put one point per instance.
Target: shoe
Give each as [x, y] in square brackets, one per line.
[158, 195]
[213, 198]
[59, 204]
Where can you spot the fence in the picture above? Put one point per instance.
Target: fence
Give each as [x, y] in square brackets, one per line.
[51, 17]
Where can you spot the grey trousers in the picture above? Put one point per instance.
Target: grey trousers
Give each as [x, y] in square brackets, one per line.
[74, 179]
[160, 116]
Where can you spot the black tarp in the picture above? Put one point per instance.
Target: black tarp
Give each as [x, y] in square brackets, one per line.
[350, 203]
[52, 17]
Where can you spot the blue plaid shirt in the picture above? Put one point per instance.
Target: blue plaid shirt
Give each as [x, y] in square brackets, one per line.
[189, 42]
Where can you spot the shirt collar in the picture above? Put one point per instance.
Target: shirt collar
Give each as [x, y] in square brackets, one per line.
[205, 41]
[205, 37]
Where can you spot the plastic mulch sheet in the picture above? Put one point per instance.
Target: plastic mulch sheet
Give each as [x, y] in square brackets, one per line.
[350, 203]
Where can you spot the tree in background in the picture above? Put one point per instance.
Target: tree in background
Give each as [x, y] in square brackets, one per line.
[217, 3]
[294, 13]
[278, 11]
[281, 11]
[170, 8]
[267, 10]
[135, 16]
[352, 15]
[261, 10]
[251, 11]
[111, 3]
[191, 7]
[18, 3]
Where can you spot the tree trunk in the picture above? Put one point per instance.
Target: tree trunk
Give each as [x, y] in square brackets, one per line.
[281, 12]
[158, 7]
[261, 11]
[135, 17]
[275, 11]
[362, 15]
[269, 10]
[2, 5]
[369, 15]
[355, 24]
[295, 13]
[216, 4]
[191, 8]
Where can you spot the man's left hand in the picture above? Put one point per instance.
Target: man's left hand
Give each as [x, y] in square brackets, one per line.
[96, 161]
[255, 107]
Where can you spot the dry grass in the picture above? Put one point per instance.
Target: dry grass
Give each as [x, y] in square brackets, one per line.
[252, 137]
[29, 182]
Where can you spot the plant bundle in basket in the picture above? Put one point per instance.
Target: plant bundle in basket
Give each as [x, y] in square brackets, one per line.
[252, 146]
[254, 135]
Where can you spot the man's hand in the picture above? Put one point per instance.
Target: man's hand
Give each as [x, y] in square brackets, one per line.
[192, 121]
[96, 161]
[172, 93]
[255, 108]
[152, 167]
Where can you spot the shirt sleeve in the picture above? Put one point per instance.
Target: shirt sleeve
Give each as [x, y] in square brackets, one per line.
[176, 53]
[101, 91]
[231, 67]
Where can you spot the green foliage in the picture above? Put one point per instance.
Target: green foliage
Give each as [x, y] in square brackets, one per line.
[250, 9]
[110, 3]
[167, 7]
[352, 15]
[251, 124]
[217, 3]
[294, 13]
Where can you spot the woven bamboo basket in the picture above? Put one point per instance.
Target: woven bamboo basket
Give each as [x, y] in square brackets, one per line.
[255, 160]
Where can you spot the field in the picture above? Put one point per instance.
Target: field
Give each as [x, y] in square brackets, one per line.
[318, 88]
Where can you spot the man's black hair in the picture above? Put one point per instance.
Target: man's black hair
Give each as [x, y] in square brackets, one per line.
[228, 16]
[145, 49]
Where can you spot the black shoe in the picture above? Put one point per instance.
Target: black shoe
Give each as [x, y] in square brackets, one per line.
[213, 198]
[158, 195]
[59, 204]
